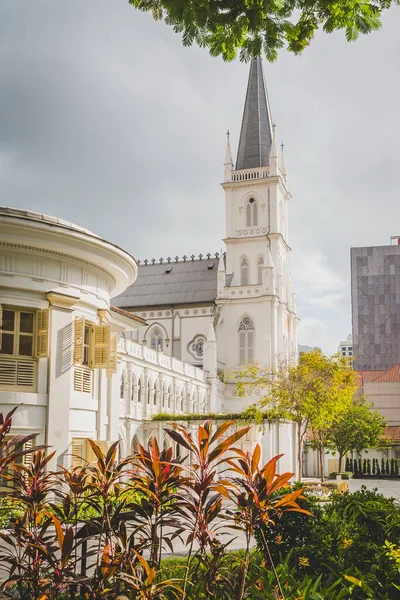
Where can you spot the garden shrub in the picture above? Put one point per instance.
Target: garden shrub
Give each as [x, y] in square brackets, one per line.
[346, 536]
[344, 475]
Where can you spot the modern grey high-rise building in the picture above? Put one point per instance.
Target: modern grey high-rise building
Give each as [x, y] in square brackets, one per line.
[375, 298]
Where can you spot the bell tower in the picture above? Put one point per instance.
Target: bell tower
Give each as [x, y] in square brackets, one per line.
[257, 308]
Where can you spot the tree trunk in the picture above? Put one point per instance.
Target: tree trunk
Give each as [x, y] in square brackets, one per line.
[299, 461]
[340, 462]
[321, 460]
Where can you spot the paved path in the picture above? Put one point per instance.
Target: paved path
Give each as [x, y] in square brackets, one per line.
[387, 487]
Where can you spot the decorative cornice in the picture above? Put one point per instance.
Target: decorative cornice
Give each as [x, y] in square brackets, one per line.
[53, 254]
[270, 236]
[266, 182]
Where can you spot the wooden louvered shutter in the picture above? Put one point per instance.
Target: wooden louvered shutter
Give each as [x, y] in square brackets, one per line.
[79, 334]
[91, 456]
[100, 347]
[112, 365]
[78, 446]
[27, 458]
[42, 333]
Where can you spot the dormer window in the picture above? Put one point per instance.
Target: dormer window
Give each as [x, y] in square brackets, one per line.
[251, 213]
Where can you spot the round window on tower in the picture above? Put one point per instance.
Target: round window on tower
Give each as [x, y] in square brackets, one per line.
[251, 200]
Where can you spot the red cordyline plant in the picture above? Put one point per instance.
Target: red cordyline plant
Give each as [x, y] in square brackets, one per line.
[157, 478]
[202, 502]
[259, 496]
[139, 506]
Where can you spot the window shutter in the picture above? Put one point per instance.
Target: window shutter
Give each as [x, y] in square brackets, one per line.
[112, 366]
[100, 347]
[27, 458]
[1, 324]
[78, 452]
[90, 455]
[83, 379]
[42, 333]
[15, 372]
[78, 339]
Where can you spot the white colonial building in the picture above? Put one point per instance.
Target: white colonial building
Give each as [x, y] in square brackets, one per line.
[81, 365]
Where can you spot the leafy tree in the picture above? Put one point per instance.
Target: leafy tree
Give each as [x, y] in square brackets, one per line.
[314, 392]
[256, 27]
[360, 427]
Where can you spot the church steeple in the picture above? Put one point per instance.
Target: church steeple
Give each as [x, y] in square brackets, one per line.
[256, 133]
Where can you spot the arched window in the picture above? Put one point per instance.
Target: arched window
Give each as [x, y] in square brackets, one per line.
[251, 213]
[148, 391]
[134, 445]
[260, 265]
[246, 340]
[155, 393]
[122, 387]
[157, 339]
[139, 391]
[244, 272]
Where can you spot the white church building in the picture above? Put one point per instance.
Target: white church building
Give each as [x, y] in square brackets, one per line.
[95, 343]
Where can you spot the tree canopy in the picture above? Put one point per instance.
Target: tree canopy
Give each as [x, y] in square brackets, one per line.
[314, 392]
[360, 427]
[263, 27]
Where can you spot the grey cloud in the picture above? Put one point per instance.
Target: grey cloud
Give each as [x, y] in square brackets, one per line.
[106, 120]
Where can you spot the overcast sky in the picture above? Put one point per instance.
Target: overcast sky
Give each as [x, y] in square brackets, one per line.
[108, 121]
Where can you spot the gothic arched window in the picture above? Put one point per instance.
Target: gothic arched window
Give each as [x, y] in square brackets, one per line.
[122, 387]
[133, 389]
[251, 213]
[260, 265]
[246, 340]
[148, 391]
[155, 393]
[157, 339]
[244, 272]
[140, 391]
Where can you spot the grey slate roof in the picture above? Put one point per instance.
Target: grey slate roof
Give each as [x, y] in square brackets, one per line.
[166, 284]
[256, 133]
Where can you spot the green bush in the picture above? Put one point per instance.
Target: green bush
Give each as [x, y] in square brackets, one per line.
[10, 510]
[346, 536]
[344, 475]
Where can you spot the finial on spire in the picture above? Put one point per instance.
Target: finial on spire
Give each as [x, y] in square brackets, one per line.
[228, 163]
[274, 151]
[282, 165]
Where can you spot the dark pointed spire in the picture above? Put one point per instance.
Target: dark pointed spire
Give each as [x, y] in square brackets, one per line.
[256, 133]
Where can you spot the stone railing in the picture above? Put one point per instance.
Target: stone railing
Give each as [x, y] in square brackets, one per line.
[250, 174]
[147, 355]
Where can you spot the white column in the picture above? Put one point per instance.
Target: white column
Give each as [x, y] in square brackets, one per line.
[61, 377]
